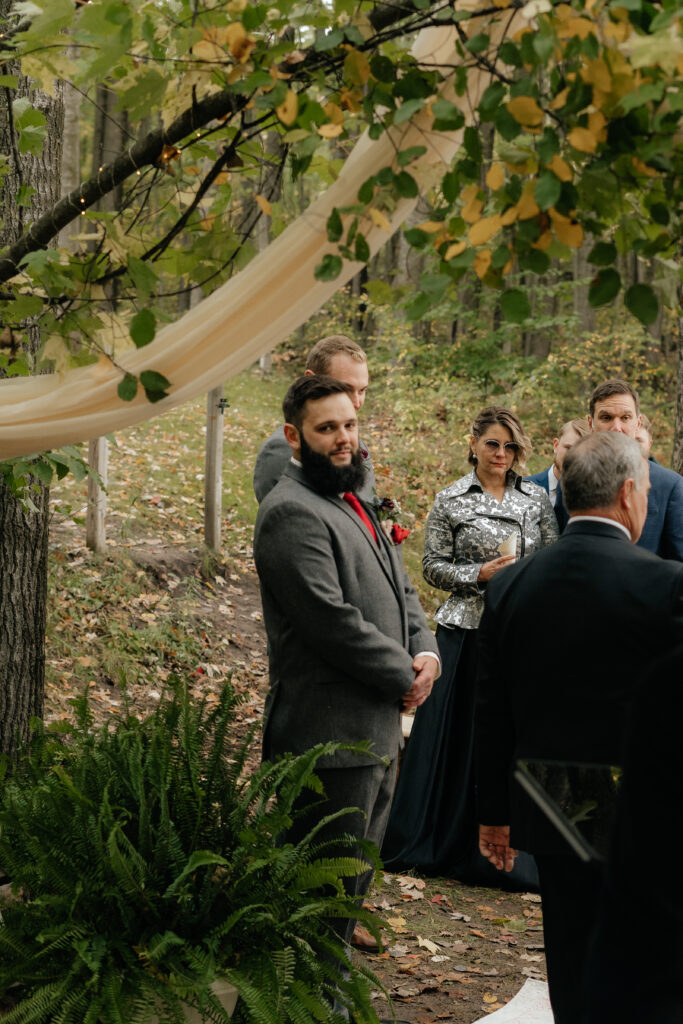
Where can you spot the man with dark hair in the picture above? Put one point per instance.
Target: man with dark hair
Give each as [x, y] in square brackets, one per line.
[349, 644]
[334, 356]
[568, 435]
[618, 604]
[614, 406]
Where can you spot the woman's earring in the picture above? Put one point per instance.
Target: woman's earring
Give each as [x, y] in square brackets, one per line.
[474, 458]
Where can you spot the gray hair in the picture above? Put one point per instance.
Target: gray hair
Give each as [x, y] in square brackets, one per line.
[595, 469]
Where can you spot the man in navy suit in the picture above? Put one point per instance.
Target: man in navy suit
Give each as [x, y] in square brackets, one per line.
[614, 405]
[549, 478]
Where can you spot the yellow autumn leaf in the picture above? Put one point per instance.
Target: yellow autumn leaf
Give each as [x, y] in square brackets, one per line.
[559, 100]
[619, 31]
[563, 12]
[566, 231]
[482, 262]
[679, 65]
[597, 124]
[334, 112]
[485, 229]
[495, 176]
[239, 43]
[431, 226]
[560, 168]
[489, 997]
[502, 4]
[527, 206]
[330, 131]
[207, 223]
[643, 168]
[525, 111]
[380, 219]
[236, 6]
[510, 216]
[469, 192]
[289, 108]
[207, 49]
[583, 140]
[221, 178]
[264, 204]
[508, 266]
[472, 212]
[597, 73]
[454, 250]
[580, 27]
[543, 242]
[357, 67]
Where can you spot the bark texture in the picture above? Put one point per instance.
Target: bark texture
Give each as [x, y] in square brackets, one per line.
[23, 532]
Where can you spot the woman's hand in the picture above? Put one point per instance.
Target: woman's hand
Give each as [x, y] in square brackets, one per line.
[490, 569]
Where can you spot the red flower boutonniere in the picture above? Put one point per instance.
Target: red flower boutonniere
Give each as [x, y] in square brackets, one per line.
[388, 512]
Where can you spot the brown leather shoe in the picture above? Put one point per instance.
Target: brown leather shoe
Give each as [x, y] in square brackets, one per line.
[363, 940]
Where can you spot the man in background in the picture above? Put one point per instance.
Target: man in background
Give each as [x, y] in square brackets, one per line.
[569, 434]
[644, 437]
[620, 607]
[335, 356]
[615, 407]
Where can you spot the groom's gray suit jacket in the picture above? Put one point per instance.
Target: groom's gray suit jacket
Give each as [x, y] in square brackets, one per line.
[343, 623]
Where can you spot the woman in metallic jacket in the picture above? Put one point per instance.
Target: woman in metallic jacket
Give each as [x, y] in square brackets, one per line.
[481, 523]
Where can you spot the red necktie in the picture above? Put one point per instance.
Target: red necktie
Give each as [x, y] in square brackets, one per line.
[354, 503]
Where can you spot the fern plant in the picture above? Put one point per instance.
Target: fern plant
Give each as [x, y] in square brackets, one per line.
[145, 864]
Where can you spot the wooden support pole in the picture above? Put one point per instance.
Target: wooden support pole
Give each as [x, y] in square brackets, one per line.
[95, 534]
[213, 469]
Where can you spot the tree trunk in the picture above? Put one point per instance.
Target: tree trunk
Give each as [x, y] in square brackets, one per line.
[23, 532]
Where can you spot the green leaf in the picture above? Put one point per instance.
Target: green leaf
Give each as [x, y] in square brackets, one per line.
[472, 143]
[514, 305]
[509, 53]
[447, 115]
[418, 307]
[548, 145]
[491, 99]
[43, 472]
[335, 228]
[406, 185]
[406, 156]
[155, 385]
[604, 287]
[143, 327]
[9, 81]
[435, 285]
[603, 254]
[417, 238]
[547, 190]
[506, 125]
[128, 388]
[641, 300]
[143, 276]
[500, 257]
[450, 186]
[329, 268]
[383, 69]
[534, 260]
[659, 213]
[329, 41]
[407, 109]
[381, 293]
[362, 249]
[366, 191]
[477, 43]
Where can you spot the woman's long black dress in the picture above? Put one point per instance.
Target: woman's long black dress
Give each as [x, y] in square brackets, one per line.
[433, 825]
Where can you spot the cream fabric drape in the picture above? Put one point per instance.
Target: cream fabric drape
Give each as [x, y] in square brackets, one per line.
[257, 308]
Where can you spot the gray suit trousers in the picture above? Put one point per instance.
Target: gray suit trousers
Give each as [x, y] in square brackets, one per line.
[370, 788]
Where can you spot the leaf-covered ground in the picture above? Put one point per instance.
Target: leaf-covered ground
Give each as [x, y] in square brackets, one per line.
[157, 604]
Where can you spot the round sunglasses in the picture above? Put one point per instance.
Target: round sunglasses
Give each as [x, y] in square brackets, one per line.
[509, 446]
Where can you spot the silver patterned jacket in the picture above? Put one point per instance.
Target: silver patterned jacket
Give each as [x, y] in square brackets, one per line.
[465, 528]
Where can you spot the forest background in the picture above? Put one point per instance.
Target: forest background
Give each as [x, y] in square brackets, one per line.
[149, 151]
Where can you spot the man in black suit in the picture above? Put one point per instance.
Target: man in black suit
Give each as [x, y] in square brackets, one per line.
[618, 605]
